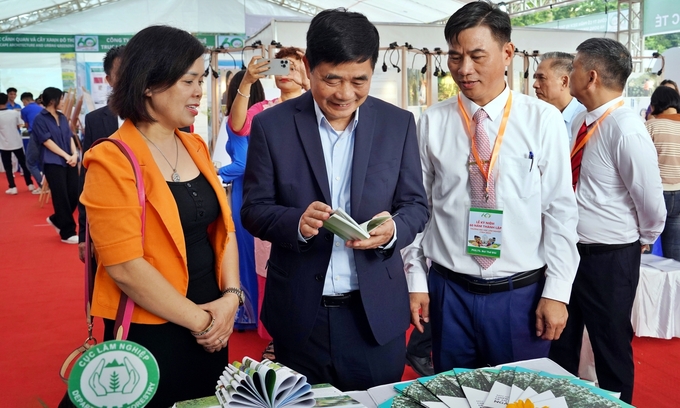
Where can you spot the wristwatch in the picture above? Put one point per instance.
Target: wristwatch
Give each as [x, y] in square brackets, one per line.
[238, 292]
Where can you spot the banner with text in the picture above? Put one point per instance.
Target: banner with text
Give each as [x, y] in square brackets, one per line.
[36, 43]
[661, 17]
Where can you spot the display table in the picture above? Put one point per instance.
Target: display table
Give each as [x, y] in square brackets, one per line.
[656, 310]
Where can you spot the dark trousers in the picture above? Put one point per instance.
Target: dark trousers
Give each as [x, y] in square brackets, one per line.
[7, 164]
[602, 299]
[342, 351]
[471, 330]
[33, 159]
[420, 344]
[63, 183]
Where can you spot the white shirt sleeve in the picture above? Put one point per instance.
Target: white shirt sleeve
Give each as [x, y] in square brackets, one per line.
[637, 162]
[560, 213]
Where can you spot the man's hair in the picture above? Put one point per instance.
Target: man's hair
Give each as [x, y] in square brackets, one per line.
[561, 61]
[11, 90]
[50, 95]
[609, 58]
[667, 82]
[256, 91]
[479, 13]
[663, 98]
[154, 59]
[288, 52]
[26, 95]
[110, 58]
[339, 36]
[3, 98]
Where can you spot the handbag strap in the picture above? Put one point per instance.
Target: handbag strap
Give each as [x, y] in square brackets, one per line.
[125, 305]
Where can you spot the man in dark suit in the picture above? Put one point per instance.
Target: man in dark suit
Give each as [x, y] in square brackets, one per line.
[338, 311]
[99, 124]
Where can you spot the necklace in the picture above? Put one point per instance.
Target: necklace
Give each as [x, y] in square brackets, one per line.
[175, 176]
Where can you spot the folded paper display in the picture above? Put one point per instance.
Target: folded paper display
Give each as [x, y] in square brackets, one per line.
[341, 224]
[263, 384]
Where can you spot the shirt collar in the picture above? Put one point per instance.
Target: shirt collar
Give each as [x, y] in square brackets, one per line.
[321, 118]
[493, 108]
[595, 114]
[571, 109]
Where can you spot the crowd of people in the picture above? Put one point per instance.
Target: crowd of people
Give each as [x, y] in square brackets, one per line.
[575, 186]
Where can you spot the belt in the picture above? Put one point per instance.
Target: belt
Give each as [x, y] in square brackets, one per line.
[594, 249]
[346, 299]
[480, 286]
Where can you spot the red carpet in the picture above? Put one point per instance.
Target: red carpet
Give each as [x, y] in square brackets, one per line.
[43, 317]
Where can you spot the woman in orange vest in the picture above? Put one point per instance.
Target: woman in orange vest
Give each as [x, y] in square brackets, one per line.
[183, 276]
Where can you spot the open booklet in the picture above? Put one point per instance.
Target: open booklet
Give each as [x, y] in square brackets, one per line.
[253, 384]
[343, 225]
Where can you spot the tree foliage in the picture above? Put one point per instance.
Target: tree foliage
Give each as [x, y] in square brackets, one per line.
[657, 42]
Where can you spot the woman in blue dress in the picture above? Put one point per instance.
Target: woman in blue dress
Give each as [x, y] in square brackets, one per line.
[237, 148]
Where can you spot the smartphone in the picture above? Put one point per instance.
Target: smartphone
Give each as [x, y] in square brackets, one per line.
[278, 67]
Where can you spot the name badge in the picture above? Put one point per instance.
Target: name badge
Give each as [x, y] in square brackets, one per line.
[485, 232]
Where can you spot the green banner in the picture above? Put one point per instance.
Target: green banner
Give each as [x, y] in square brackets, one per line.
[84, 43]
[36, 43]
[661, 17]
[231, 40]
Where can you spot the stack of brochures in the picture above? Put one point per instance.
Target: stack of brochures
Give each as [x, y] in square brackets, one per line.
[500, 388]
[264, 384]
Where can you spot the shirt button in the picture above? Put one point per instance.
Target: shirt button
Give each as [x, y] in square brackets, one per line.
[337, 178]
[318, 277]
[337, 278]
[200, 213]
[189, 185]
[337, 244]
[195, 194]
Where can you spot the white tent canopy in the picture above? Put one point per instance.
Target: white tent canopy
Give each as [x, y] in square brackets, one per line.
[208, 16]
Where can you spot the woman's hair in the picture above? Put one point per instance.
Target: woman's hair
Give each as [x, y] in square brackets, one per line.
[667, 82]
[288, 52]
[51, 95]
[154, 59]
[256, 91]
[663, 98]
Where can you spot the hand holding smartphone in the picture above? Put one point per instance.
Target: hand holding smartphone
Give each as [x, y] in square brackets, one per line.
[278, 66]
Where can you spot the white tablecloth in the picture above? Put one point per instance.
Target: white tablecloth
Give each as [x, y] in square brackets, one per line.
[656, 310]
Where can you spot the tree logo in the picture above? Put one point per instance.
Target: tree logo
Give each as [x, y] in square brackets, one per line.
[114, 373]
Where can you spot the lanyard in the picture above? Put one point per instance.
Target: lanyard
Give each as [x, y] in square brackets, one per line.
[592, 130]
[497, 145]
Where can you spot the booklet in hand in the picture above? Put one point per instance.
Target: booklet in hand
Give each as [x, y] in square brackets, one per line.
[343, 225]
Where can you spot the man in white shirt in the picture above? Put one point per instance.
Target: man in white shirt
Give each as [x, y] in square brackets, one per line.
[621, 209]
[551, 83]
[11, 144]
[485, 313]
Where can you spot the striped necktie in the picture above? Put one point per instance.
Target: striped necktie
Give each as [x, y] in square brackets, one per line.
[478, 191]
[576, 158]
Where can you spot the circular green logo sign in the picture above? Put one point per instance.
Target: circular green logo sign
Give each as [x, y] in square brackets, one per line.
[114, 373]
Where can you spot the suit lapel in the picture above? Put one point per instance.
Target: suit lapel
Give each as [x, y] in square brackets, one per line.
[308, 129]
[158, 193]
[363, 139]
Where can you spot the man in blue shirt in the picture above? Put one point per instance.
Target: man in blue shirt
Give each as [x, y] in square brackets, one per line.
[28, 113]
[12, 95]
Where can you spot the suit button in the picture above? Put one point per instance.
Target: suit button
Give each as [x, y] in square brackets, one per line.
[318, 277]
[328, 237]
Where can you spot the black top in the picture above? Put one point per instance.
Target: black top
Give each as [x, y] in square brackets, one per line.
[198, 208]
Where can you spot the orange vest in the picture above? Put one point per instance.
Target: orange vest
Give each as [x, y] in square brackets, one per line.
[114, 214]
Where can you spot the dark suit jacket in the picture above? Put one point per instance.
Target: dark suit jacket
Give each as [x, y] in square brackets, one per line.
[285, 172]
[99, 124]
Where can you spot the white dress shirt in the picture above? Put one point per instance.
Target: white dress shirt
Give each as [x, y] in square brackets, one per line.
[569, 113]
[539, 209]
[619, 192]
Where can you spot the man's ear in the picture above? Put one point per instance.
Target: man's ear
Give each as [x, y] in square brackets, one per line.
[306, 62]
[593, 77]
[565, 81]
